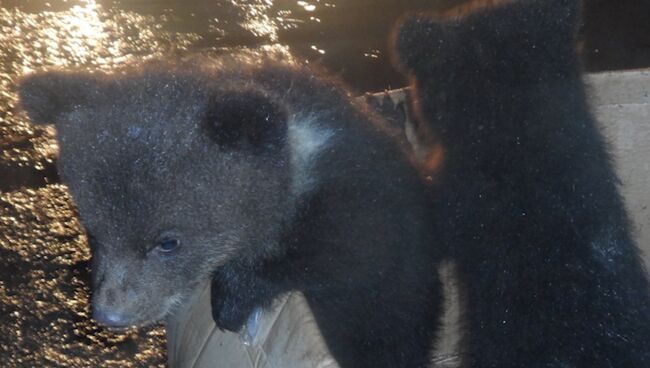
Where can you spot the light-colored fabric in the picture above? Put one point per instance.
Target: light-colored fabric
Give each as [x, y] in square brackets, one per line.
[621, 102]
[283, 336]
[287, 336]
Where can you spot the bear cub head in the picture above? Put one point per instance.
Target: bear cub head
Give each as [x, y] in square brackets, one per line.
[170, 167]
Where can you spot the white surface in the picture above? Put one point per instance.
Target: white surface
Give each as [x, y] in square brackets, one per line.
[285, 336]
[621, 102]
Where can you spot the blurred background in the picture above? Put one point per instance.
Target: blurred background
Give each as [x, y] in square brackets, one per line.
[44, 311]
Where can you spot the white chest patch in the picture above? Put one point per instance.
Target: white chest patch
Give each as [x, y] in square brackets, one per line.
[307, 140]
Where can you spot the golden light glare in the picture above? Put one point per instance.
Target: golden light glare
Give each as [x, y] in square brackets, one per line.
[307, 6]
[257, 20]
[68, 39]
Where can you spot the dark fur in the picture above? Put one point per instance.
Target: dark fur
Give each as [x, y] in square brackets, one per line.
[533, 214]
[199, 150]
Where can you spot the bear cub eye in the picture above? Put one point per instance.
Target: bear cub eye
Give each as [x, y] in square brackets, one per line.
[168, 245]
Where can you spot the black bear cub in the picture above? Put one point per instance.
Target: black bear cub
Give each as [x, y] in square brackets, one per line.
[532, 212]
[261, 177]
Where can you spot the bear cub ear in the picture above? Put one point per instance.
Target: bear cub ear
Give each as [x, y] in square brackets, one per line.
[420, 39]
[46, 96]
[246, 119]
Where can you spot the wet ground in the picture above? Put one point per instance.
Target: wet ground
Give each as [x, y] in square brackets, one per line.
[44, 311]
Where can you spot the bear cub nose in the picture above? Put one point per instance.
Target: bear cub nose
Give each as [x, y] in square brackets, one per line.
[110, 318]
